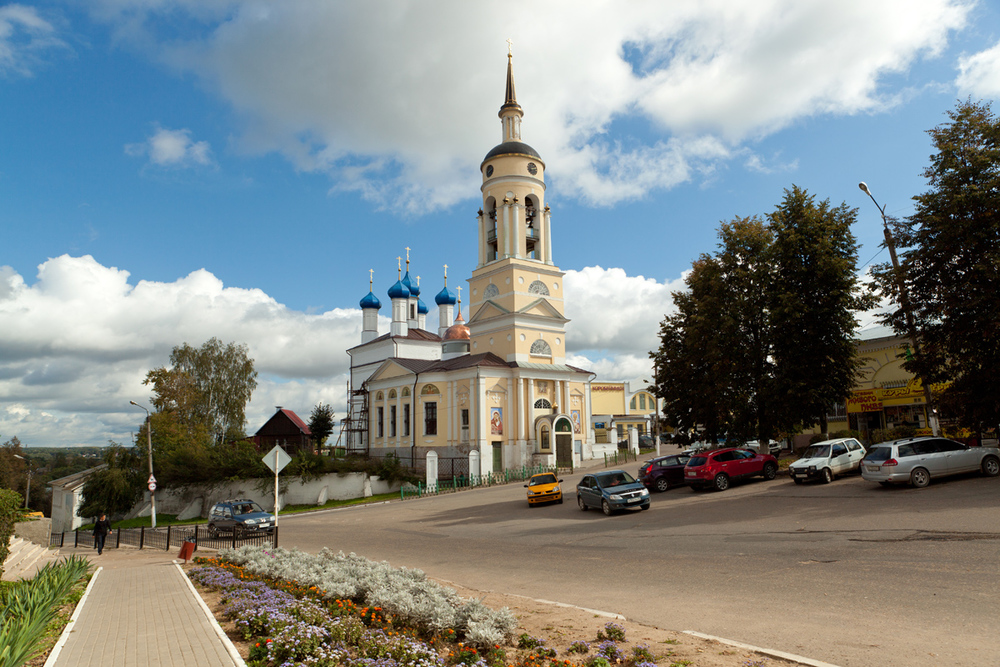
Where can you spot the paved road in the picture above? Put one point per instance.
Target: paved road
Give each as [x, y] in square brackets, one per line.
[849, 573]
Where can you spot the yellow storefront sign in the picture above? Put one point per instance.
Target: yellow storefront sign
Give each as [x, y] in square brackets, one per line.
[865, 400]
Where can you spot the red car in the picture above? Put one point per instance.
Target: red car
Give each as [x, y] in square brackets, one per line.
[718, 468]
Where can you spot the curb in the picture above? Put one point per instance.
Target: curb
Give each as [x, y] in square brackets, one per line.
[64, 637]
[791, 657]
[230, 649]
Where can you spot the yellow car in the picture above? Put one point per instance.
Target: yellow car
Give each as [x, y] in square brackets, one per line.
[543, 488]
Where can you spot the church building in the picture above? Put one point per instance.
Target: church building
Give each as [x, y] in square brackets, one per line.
[497, 383]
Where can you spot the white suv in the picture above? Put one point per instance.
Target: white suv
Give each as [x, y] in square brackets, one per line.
[918, 460]
[825, 460]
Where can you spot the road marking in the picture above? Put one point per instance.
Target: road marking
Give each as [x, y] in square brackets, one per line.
[791, 657]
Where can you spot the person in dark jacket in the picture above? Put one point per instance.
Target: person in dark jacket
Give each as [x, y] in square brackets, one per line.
[101, 530]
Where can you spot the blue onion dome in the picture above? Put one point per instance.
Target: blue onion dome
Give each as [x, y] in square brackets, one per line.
[421, 307]
[399, 291]
[445, 297]
[370, 301]
[412, 286]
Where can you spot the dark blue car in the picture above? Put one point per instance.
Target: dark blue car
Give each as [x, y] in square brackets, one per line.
[611, 490]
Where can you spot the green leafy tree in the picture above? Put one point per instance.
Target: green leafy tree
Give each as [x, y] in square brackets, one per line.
[12, 469]
[812, 307]
[210, 386]
[949, 265]
[321, 424]
[115, 489]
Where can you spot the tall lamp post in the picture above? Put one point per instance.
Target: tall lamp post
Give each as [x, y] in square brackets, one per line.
[152, 480]
[27, 492]
[904, 302]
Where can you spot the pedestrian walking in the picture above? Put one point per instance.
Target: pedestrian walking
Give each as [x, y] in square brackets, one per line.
[101, 530]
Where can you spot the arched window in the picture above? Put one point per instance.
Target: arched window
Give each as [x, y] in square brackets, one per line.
[544, 440]
[538, 287]
[544, 404]
[392, 394]
[491, 291]
[631, 404]
[429, 389]
[541, 348]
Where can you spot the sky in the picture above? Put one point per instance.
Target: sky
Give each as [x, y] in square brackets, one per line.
[176, 170]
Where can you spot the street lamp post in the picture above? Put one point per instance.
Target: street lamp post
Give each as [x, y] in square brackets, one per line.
[904, 302]
[152, 480]
[27, 492]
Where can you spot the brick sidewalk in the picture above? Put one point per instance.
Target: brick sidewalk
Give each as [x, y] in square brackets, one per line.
[140, 611]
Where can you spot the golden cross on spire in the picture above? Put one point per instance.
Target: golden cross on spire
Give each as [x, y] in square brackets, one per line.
[510, 47]
[399, 266]
[407, 259]
[459, 288]
[418, 281]
[371, 279]
[445, 275]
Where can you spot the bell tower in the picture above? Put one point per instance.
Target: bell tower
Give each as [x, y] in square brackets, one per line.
[515, 293]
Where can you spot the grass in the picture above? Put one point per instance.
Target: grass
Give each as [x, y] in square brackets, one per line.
[172, 520]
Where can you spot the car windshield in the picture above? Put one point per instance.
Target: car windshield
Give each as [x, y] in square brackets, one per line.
[246, 508]
[817, 452]
[542, 479]
[696, 461]
[614, 479]
[879, 454]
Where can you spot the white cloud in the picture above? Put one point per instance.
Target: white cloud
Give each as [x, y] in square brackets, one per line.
[402, 117]
[979, 74]
[25, 38]
[172, 148]
[78, 342]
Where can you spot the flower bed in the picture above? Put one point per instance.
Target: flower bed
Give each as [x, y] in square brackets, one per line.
[293, 610]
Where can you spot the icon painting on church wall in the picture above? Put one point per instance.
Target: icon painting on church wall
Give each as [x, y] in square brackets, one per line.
[576, 420]
[496, 421]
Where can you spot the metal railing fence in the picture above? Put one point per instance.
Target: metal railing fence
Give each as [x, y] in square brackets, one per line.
[163, 537]
[466, 482]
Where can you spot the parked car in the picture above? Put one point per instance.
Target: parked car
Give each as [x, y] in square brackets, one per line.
[611, 490]
[825, 460]
[664, 472]
[239, 517]
[645, 442]
[919, 460]
[696, 447]
[544, 488]
[773, 447]
[718, 468]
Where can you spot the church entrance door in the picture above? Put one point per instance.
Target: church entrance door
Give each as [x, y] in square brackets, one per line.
[564, 443]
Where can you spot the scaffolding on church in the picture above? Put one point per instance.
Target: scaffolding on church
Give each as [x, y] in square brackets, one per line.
[355, 424]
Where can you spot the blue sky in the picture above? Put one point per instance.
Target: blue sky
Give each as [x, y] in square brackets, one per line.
[172, 171]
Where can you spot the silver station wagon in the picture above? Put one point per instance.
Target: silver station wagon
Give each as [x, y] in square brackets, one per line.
[919, 460]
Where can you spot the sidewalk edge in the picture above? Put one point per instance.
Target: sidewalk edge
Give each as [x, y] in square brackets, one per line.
[766, 651]
[64, 637]
[230, 648]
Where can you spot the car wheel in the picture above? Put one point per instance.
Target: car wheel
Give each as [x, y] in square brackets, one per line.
[560, 500]
[796, 480]
[530, 504]
[662, 484]
[827, 475]
[920, 478]
[645, 507]
[721, 482]
[770, 471]
[583, 505]
[606, 507]
[991, 466]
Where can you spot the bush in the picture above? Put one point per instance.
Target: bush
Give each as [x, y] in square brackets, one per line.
[10, 504]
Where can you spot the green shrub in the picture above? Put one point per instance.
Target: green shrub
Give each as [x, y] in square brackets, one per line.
[10, 504]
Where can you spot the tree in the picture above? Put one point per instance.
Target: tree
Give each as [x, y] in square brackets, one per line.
[115, 489]
[321, 424]
[949, 266]
[813, 306]
[12, 469]
[210, 385]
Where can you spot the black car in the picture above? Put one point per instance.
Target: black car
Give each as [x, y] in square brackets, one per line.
[664, 472]
[239, 517]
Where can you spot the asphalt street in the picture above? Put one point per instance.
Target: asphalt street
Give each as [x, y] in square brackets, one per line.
[849, 573]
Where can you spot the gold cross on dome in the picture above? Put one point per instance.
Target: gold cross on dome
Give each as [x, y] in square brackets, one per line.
[510, 47]
[445, 275]
[399, 265]
[371, 278]
[459, 288]
[418, 281]
[407, 259]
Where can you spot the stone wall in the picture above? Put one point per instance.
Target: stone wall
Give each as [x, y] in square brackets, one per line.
[36, 531]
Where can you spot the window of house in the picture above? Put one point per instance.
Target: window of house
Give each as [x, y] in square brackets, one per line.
[465, 418]
[632, 403]
[642, 401]
[545, 443]
[406, 419]
[430, 418]
[542, 403]
[379, 413]
[540, 348]
[392, 421]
